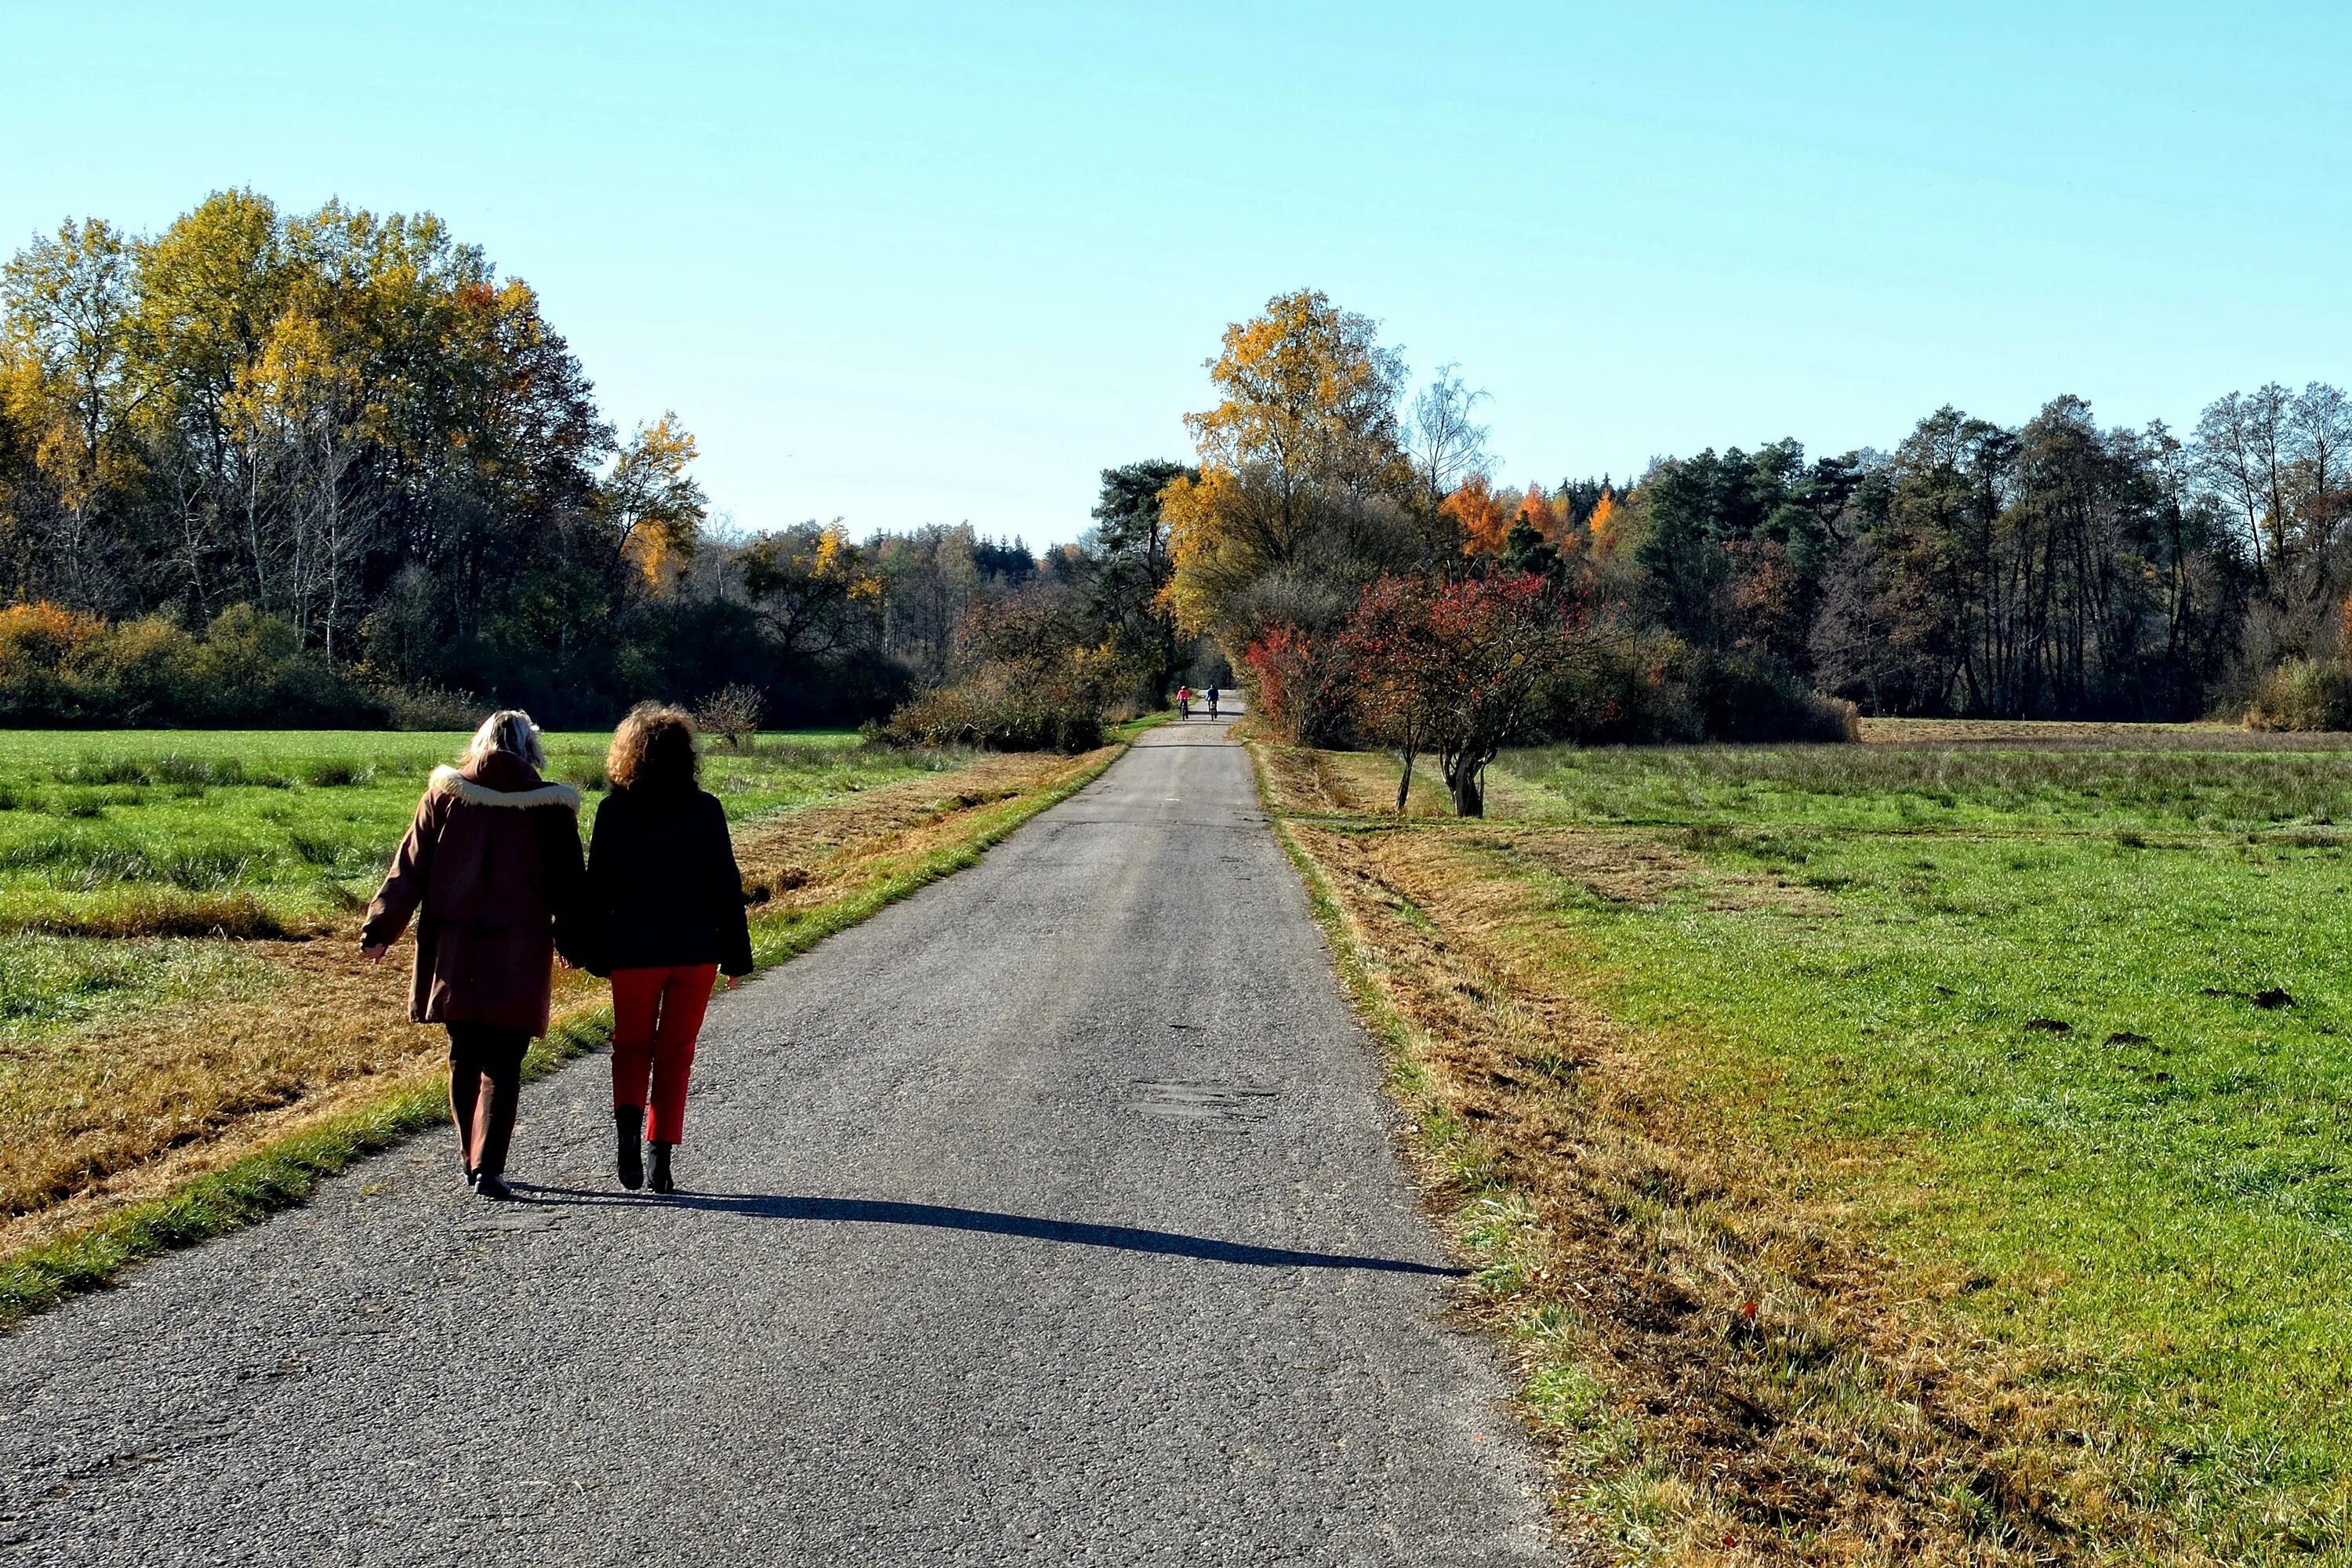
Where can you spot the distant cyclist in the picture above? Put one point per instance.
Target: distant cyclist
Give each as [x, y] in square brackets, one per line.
[1212, 702]
[1183, 702]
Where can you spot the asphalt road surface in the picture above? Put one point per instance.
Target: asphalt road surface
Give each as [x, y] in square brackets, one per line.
[1050, 1217]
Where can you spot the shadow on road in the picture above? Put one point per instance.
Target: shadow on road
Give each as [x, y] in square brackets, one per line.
[943, 1217]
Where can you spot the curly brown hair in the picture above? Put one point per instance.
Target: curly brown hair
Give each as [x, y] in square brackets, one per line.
[654, 750]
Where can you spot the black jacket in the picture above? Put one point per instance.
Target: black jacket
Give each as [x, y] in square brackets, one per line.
[663, 890]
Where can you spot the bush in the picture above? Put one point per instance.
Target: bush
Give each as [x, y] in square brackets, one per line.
[733, 714]
[1298, 687]
[2304, 694]
[58, 666]
[1627, 691]
[1654, 689]
[431, 708]
[1046, 701]
[990, 711]
[1748, 697]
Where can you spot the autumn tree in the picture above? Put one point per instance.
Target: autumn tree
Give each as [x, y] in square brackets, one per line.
[648, 509]
[300, 425]
[815, 594]
[2280, 464]
[1392, 648]
[1479, 516]
[71, 380]
[1302, 471]
[1457, 668]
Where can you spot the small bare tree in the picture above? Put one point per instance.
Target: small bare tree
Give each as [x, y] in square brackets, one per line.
[732, 713]
[1448, 446]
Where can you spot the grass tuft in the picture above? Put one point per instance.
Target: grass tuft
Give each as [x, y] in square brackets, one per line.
[237, 917]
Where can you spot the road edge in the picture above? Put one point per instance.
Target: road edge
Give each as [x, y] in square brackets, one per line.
[1454, 1173]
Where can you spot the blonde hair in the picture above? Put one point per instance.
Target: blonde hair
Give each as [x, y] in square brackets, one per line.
[507, 730]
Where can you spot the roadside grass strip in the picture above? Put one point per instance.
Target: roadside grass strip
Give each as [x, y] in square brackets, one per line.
[285, 1169]
[278, 1175]
[1858, 1191]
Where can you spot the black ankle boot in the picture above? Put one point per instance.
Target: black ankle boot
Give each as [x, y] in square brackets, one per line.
[626, 1121]
[661, 1179]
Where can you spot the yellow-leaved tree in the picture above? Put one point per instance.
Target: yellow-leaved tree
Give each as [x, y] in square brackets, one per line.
[1303, 476]
[298, 415]
[650, 508]
[70, 385]
[1605, 527]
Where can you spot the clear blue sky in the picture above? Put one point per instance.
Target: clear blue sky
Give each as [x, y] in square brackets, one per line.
[909, 263]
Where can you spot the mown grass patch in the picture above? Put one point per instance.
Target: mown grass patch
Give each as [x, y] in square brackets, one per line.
[1936, 1158]
[48, 980]
[2056, 1057]
[1925, 789]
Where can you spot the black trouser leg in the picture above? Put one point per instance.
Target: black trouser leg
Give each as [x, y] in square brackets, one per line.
[465, 1087]
[485, 1087]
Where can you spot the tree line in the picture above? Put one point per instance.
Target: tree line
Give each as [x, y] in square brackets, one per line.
[299, 467]
[2060, 569]
[272, 467]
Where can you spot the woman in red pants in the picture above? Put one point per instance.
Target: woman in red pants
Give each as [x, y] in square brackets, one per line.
[667, 904]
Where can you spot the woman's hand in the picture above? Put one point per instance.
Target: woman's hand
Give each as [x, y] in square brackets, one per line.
[730, 983]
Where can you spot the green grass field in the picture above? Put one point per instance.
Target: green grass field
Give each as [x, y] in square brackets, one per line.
[2085, 1013]
[120, 851]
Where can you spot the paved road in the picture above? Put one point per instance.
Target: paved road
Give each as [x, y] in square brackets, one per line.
[1048, 1218]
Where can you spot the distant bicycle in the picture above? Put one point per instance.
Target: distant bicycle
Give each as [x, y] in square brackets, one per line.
[1212, 702]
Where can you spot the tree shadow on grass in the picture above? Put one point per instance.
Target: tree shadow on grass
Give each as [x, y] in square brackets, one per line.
[945, 1216]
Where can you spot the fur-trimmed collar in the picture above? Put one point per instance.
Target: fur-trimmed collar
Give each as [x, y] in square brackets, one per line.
[449, 781]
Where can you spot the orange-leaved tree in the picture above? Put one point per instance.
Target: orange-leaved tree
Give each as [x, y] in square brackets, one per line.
[1604, 525]
[1484, 518]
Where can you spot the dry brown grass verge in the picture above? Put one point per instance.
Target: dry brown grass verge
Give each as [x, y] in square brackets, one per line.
[2083, 735]
[107, 1117]
[1726, 1371]
[801, 860]
[100, 1115]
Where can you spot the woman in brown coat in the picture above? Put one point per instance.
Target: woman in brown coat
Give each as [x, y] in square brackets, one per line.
[491, 868]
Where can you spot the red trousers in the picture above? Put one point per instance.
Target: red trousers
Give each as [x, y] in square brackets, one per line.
[657, 1013]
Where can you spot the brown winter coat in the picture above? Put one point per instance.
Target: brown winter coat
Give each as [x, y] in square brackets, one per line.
[491, 868]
